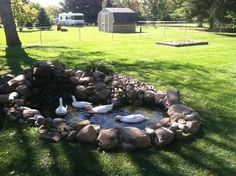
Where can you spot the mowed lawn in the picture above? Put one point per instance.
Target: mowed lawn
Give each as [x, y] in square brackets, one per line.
[205, 76]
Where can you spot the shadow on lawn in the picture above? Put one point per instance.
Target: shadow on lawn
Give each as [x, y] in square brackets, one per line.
[16, 58]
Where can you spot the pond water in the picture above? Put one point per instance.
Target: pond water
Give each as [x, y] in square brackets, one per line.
[154, 115]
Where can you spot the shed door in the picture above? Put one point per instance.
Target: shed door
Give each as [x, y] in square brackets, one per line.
[105, 22]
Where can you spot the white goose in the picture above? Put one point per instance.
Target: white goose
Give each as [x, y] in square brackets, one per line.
[80, 104]
[102, 109]
[61, 110]
[133, 118]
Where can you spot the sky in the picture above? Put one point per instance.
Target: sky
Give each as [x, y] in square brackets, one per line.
[46, 3]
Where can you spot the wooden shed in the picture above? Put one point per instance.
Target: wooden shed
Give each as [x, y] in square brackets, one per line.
[117, 20]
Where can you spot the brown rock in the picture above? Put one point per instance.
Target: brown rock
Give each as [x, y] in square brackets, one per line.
[165, 122]
[163, 136]
[193, 116]
[127, 147]
[74, 80]
[136, 137]
[108, 139]
[159, 97]
[87, 134]
[80, 124]
[71, 136]
[59, 123]
[179, 108]
[172, 97]
[19, 102]
[104, 94]
[80, 92]
[86, 80]
[27, 113]
[193, 126]
[177, 116]
[149, 96]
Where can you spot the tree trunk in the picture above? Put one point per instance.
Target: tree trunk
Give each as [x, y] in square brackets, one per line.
[12, 37]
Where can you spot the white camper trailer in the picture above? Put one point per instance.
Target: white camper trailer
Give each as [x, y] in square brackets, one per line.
[71, 19]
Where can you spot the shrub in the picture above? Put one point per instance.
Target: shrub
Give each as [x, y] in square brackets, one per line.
[93, 65]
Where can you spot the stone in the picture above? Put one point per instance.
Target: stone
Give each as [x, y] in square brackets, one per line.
[12, 117]
[19, 102]
[23, 90]
[182, 136]
[116, 102]
[193, 126]
[7, 77]
[149, 96]
[104, 94]
[117, 84]
[136, 137]
[193, 116]
[163, 136]
[172, 97]
[27, 113]
[159, 97]
[174, 126]
[4, 99]
[108, 139]
[177, 116]
[74, 80]
[58, 123]
[100, 85]
[42, 72]
[179, 108]
[165, 122]
[183, 127]
[6, 88]
[127, 147]
[86, 80]
[71, 136]
[97, 74]
[52, 134]
[87, 134]
[80, 92]
[108, 79]
[181, 121]
[78, 125]
[39, 118]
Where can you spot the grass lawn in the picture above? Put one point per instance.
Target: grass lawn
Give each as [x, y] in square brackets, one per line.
[205, 76]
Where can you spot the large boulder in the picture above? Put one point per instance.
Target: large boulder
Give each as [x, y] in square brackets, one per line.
[136, 137]
[163, 136]
[108, 139]
[87, 134]
[149, 96]
[172, 97]
[193, 126]
[78, 125]
[179, 108]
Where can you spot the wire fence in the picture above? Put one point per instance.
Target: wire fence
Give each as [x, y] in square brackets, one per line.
[145, 30]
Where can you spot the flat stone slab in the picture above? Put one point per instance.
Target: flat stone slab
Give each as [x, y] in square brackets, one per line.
[182, 43]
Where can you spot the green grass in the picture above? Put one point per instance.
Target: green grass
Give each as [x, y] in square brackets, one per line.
[205, 76]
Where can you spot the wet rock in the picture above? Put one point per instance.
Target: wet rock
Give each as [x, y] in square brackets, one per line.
[172, 97]
[23, 90]
[99, 86]
[136, 137]
[71, 136]
[52, 134]
[149, 96]
[108, 139]
[80, 92]
[87, 134]
[163, 136]
[179, 108]
[86, 80]
[97, 74]
[78, 125]
[74, 80]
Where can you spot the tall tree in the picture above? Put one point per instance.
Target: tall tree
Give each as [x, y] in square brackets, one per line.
[155, 9]
[43, 19]
[6, 14]
[90, 8]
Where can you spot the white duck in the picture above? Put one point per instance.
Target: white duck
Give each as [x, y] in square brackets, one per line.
[61, 110]
[80, 104]
[133, 118]
[102, 109]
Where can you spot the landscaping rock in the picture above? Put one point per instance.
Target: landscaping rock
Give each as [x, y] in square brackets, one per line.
[78, 125]
[71, 136]
[86, 80]
[99, 86]
[59, 123]
[182, 136]
[127, 147]
[75, 80]
[179, 108]
[159, 97]
[193, 126]
[193, 116]
[108, 139]
[23, 90]
[80, 92]
[27, 113]
[52, 134]
[165, 122]
[136, 137]
[149, 96]
[163, 137]
[172, 97]
[87, 134]
[97, 74]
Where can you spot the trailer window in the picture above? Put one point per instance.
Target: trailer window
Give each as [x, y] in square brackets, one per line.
[77, 17]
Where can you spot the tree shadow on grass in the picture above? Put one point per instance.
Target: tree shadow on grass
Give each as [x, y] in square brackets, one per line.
[17, 58]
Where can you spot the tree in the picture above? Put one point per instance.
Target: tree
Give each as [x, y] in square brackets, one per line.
[23, 12]
[53, 11]
[6, 15]
[90, 8]
[43, 19]
[155, 9]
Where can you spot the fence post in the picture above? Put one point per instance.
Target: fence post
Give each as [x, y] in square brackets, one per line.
[40, 32]
[79, 34]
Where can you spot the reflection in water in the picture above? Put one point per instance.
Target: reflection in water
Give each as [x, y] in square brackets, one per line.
[108, 120]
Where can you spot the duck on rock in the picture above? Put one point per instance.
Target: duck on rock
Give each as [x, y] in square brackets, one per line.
[133, 118]
[61, 109]
[81, 104]
[102, 109]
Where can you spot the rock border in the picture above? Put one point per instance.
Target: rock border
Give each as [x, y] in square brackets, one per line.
[19, 94]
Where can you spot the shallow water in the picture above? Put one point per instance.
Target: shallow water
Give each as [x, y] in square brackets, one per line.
[154, 115]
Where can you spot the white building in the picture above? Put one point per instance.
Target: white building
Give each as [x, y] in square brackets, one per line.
[71, 19]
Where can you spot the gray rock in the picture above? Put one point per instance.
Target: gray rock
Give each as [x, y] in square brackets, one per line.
[87, 134]
[177, 116]
[99, 86]
[193, 116]
[81, 92]
[183, 136]
[165, 122]
[104, 94]
[27, 113]
[193, 126]
[42, 72]
[163, 136]
[75, 80]
[159, 97]
[78, 125]
[179, 108]
[127, 147]
[149, 96]
[172, 97]
[136, 137]
[108, 139]
[86, 80]
[52, 134]
[23, 90]
[97, 74]
[59, 123]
